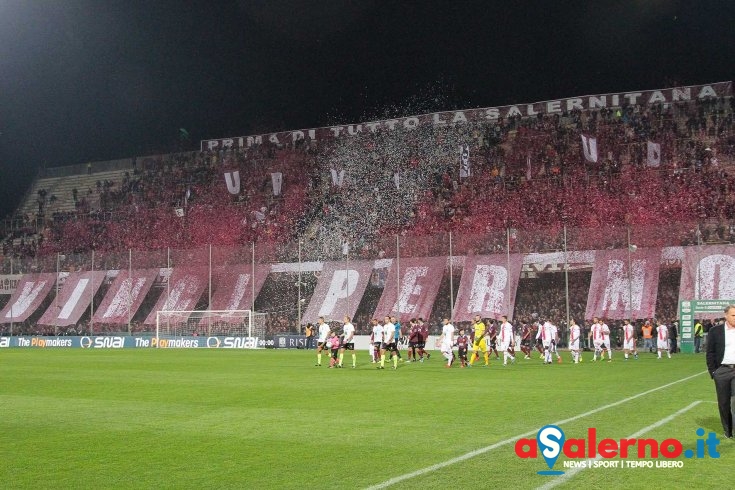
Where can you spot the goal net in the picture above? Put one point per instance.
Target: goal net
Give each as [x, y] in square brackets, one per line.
[210, 323]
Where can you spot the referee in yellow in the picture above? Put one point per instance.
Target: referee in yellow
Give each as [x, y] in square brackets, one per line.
[479, 343]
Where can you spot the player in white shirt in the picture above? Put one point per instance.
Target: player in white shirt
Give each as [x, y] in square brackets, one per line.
[606, 343]
[662, 339]
[446, 342]
[348, 342]
[321, 343]
[554, 341]
[574, 336]
[507, 342]
[596, 336]
[389, 344]
[547, 333]
[629, 340]
[377, 340]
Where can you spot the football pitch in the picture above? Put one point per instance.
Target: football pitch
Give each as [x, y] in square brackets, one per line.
[271, 419]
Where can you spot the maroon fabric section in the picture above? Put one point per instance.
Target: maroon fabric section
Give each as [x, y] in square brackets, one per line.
[31, 291]
[126, 289]
[74, 297]
[487, 287]
[339, 290]
[233, 286]
[708, 273]
[610, 288]
[185, 287]
[419, 284]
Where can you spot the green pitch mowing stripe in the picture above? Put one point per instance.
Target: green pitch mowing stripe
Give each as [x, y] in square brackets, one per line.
[270, 419]
[512, 440]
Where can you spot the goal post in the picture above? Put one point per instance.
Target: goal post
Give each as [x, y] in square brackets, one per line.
[210, 323]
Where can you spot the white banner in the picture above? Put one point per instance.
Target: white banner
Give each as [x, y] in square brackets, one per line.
[232, 179]
[338, 178]
[654, 154]
[465, 169]
[277, 179]
[589, 146]
[640, 98]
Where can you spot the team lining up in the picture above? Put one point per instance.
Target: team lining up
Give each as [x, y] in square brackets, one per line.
[482, 340]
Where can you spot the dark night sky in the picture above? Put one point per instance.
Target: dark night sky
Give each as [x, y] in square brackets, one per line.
[93, 80]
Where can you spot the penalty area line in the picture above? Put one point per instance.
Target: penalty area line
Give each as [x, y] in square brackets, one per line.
[505, 442]
[569, 474]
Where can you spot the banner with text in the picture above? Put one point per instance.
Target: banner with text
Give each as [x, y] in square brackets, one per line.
[74, 297]
[339, 290]
[185, 286]
[708, 273]
[125, 296]
[491, 114]
[617, 293]
[32, 289]
[488, 287]
[419, 284]
[236, 285]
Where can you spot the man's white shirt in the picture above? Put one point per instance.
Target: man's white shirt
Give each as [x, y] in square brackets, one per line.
[348, 329]
[323, 332]
[448, 333]
[377, 333]
[547, 333]
[628, 337]
[574, 336]
[506, 334]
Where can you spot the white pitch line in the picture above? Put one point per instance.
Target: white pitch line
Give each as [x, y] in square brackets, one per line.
[483, 450]
[569, 474]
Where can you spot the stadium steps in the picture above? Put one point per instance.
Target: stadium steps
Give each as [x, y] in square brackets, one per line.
[62, 187]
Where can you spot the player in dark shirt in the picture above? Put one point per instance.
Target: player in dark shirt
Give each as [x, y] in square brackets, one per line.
[526, 340]
[414, 334]
[463, 342]
[492, 339]
[423, 338]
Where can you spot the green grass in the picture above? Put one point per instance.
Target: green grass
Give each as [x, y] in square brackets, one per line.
[270, 419]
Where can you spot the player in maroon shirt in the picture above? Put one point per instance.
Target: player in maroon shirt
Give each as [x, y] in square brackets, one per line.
[526, 340]
[414, 334]
[424, 331]
[463, 342]
[492, 339]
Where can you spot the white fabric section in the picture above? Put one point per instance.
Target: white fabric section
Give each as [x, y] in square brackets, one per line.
[654, 154]
[465, 168]
[277, 179]
[589, 146]
[338, 178]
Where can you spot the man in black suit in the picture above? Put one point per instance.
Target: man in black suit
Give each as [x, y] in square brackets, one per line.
[721, 366]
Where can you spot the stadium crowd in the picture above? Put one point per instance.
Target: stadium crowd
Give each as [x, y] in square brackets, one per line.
[527, 175]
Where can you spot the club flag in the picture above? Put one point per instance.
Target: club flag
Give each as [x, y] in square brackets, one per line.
[589, 146]
[277, 179]
[232, 179]
[465, 169]
[338, 178]
[654, 154]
